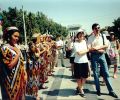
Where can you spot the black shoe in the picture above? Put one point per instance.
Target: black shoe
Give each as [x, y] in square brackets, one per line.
[77, 88]
[82, 95]
[43, 87]
[98, 93]
[73, 76]
[63, 65]
[77, 91]
[113, 94]
[46, 81]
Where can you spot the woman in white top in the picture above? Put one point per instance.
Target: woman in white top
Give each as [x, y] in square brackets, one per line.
[81, 62]
[114, 55]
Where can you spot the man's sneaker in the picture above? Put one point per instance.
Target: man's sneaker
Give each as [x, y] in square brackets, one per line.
[98, 93]
[113, 94]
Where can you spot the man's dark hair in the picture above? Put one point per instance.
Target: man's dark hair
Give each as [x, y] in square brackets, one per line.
[94, 25]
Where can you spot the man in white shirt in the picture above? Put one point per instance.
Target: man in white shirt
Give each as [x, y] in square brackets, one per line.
[60, 45]
[95, 44]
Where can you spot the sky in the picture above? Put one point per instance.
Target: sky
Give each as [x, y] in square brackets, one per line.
[71, 12]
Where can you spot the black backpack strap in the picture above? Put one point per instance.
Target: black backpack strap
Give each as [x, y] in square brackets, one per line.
[103, 39]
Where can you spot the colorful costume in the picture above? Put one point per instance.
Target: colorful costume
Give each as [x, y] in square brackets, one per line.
[13, 81]
[33, 76]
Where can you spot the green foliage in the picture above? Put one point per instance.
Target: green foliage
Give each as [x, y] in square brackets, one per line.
[116, 27]
[34, 23]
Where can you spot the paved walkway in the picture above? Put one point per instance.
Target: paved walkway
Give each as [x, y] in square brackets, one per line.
[62, 87]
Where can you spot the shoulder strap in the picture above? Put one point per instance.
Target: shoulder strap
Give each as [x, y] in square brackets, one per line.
[103, 39]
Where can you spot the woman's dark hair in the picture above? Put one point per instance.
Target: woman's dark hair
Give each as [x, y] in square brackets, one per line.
[8, 34]
[79, 33]
[31, 45]
[112, 34]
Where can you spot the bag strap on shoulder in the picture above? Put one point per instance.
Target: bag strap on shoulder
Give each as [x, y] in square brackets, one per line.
[103, 39]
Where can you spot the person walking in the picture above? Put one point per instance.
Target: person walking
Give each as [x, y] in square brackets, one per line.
[81, 67]
[114, 54]
[95, 44]
[13, 74]
[60, 45]
[72, 56]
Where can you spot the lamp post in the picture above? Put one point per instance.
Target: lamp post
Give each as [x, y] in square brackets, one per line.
[1, 32]
[24, 27]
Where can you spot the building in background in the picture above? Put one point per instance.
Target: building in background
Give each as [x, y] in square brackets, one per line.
[72, 30]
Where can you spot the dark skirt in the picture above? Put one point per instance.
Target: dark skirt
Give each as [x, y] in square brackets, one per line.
[68, 53]
[72, 59]
[81, 70]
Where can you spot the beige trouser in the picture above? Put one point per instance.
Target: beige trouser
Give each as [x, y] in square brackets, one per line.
[60, 55]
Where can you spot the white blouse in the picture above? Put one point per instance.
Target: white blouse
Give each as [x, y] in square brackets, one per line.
[80, 46]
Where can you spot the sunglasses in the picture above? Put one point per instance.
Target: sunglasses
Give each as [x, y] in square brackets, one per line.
[97, 28]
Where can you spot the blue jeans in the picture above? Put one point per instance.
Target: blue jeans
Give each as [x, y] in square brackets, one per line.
[100, 58]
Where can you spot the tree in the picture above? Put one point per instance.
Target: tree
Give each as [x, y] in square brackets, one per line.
[116, 28]
[38, 22]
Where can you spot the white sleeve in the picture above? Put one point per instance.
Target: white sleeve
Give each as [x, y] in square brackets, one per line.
[105, 39]
[57, 43]
[76, 47]
[71, 45]
[89, 41]
[62, 43]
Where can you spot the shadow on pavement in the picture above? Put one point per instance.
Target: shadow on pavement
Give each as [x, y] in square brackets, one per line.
[89, 82]
[58, 76]
[28, 97]
[62, 76]
[73, 80]
[68, 92]
[60, 92]
[67, 77]
[93, 92]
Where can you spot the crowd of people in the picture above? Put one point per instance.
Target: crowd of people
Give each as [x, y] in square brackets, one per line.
[21, 76]
[24, 74]
[96, 52]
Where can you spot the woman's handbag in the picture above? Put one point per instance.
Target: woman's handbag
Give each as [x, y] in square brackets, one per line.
[112, 53]
[112, 56]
